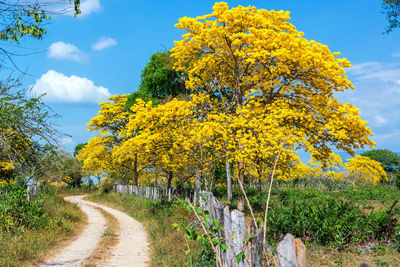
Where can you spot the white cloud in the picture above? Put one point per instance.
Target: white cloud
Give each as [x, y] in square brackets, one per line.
[89, 6]
[380, 120]
[104, 43]
[377, 96]
[61, 50]
[369, 71]
[66, 141]
[72, 89]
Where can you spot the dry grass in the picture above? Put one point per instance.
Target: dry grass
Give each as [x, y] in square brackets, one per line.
[108, 241]
[380, 256]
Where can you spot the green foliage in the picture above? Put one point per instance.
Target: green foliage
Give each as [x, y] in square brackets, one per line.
[390, 161]
[195, 232]
[29, 229]
[61, 168]
[140, 94]
[352, 215]
[397, 179]
[159, 79]
[391, 9]
[26, 19]
[327, 221]
[26, 131]
[16, 213]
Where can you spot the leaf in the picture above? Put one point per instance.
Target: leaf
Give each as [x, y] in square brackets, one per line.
[215, 223]
[240, 257]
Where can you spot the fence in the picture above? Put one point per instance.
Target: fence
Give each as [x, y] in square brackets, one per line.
[235, 235]
[157, 193]
[32, 191]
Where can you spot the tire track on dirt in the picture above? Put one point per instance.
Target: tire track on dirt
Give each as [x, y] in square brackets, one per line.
[132, 248]
[75, 253]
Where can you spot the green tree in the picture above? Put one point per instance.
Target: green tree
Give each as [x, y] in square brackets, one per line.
[20, 18]
[390, 160]
[60, 166]
[27, 132]
[158, 81]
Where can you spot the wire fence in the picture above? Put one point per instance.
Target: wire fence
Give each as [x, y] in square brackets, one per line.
[243, 241]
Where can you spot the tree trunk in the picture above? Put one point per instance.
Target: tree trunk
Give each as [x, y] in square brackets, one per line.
[170, 176]
[228, 179]
[259, 181]
[197, 180]
[135, 171]
[240, 204]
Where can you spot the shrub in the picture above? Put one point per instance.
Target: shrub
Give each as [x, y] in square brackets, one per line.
[16, 213]
[328, 221]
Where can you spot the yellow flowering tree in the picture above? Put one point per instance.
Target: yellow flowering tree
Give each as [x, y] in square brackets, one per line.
[256, 59]
[158, 139]
[304, 171]
[364, 170]
[99, 154]
[331, 166]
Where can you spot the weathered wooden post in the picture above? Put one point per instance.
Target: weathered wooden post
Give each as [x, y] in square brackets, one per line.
[291, 252]
[238, 227]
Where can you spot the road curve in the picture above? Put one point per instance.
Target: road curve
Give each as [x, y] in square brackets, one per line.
[75, 253]
[132, 248]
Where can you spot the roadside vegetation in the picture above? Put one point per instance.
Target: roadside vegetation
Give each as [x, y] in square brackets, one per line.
[30, 229]
[225, 110]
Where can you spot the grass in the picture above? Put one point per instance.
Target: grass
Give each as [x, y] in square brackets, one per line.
[167, 245]
[354, 256]
[30, 246]
[108, 240]
[384, 251]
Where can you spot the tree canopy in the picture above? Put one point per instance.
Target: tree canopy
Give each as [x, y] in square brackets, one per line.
[390, 160]
[27, 132]
[21, 18]
[275, 86]
[391, 8]
[158, 81]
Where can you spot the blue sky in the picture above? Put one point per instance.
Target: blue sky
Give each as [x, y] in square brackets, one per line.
[80, 61]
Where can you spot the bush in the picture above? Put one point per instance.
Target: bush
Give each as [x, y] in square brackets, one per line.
[397, 179]
[16, 213]
[327, 221]
[29, 229]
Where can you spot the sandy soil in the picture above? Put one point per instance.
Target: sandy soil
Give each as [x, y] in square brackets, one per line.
[75, 253]
[133, 247]
[131, 250]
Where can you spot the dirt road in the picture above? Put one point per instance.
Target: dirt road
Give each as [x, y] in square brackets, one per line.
[131, 250]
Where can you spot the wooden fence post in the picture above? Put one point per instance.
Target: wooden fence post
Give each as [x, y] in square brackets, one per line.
[239, 234]
[291, 252]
